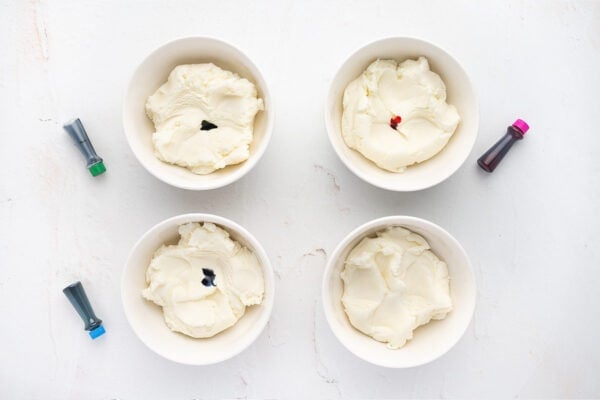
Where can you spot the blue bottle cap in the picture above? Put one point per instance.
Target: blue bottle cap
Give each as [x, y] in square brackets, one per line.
[97, 332]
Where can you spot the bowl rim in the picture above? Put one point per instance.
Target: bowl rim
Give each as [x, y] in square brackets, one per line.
[247, 165]
[331, 130]
[392, 220]
[230, 226]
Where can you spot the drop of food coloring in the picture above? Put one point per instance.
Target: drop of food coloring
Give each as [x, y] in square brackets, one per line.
[207, 126]
[209, 277]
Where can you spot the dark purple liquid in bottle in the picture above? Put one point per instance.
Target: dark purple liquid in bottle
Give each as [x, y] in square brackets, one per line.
[491, 158]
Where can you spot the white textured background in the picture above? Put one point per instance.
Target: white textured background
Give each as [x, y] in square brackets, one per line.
[531, 228]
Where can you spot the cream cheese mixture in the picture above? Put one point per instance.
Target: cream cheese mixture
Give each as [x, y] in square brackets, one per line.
[394, 283]
[205, 282]
[396, 115]
[204, 118]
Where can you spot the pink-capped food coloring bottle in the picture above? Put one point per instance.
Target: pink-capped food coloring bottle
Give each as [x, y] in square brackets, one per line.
[491, 158]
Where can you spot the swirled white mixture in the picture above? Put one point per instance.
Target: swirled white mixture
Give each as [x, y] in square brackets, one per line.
[394, 283]
[205, 282]
[184, 110]
[408, 90]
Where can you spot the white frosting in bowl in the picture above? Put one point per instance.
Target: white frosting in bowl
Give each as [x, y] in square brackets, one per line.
[394, 283]
[205, 282]
[386, 90]
[203, 92]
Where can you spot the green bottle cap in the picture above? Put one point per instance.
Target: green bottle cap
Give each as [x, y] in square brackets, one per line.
[97, 169]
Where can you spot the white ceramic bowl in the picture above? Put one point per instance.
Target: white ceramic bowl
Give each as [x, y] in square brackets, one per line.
[459, 93]
[430, 341]
[154, 71]
[146, 318]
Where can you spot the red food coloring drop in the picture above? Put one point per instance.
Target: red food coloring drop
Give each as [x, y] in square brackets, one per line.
[394, 121]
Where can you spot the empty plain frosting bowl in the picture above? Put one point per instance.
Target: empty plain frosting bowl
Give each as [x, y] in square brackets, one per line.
[439, 122]
[222, 157]
[214, 302]
[349, 289]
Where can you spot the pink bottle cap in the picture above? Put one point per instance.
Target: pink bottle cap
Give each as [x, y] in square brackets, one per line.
[521, 125]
